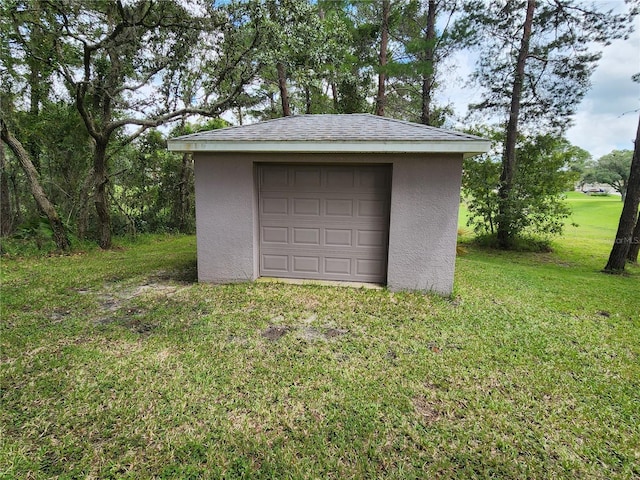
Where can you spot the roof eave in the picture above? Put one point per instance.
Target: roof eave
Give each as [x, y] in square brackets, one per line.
[466, 147]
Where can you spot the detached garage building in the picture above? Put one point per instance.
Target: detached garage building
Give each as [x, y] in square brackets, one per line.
[355, 198]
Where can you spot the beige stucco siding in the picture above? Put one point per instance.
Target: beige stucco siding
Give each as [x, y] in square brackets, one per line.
[423, 226]
[425, 197]
[225, 212]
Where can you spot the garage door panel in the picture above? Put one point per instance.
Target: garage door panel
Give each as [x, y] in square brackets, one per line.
[306, 206]
[371, 238]
[306, 236]
[306, 264]
[372, 208]
[338, 237]
[275, 235]
[339, 207]
[307, 177]
[275, 206]
[275, 176]
[373, 179]
[369, 267]
[337, 266]
[275, 263]
[324, 222]
[339, 178]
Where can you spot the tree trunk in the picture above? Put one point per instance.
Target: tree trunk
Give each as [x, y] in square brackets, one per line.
[334, 94]
[427, 79]
[33, 178]
[35, 94]
[83, 209]
[284, 93]
[509, 157]
[6, 217]
[101, 198]
[307, 99]
[17, 205]
[624, 236]
[634, 248]
[384, 42]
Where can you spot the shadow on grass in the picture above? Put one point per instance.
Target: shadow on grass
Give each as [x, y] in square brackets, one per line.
[184, 273]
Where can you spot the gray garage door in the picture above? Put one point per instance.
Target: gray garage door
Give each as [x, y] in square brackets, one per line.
[324, 222]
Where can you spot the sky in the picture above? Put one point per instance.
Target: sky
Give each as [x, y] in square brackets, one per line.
[607, 117]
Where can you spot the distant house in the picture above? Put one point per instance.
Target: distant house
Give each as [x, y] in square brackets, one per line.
[355, 198]
[597, 189]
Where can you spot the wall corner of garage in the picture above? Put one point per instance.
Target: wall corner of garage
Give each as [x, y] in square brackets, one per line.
[425, 199]
[225, 217]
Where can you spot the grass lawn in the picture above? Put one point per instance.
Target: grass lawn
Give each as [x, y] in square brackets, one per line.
[118, 365]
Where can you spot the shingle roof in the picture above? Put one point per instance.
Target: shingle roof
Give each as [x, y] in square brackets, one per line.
[355, 132]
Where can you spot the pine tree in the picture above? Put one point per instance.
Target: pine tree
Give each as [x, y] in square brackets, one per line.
[536, 59]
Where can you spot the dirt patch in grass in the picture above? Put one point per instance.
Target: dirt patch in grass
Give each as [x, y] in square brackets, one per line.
[59, 314]
[275, 332]
[117, 306]
[334, 332]
[305, 332]
[425, 409]
[154, 289]
[134, 320]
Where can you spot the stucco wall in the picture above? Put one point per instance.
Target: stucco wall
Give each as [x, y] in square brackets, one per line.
[225, 213]
[425, 198]
[424, 214]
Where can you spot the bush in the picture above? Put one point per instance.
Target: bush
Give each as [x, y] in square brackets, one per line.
[535, 207]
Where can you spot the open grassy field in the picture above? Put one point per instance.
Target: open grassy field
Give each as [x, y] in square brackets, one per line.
[117, 364]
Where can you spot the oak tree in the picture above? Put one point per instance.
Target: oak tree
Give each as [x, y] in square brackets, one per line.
[140, 64]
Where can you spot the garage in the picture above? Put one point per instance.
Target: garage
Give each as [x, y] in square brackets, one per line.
[355, 198]
[326, 222]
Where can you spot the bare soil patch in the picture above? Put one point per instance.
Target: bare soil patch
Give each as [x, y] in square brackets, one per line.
[305, 332]
[275, 332]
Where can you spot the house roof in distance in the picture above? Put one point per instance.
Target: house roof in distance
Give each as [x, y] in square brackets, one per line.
[356, 133]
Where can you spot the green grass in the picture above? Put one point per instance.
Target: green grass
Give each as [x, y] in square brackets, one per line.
[118, 365]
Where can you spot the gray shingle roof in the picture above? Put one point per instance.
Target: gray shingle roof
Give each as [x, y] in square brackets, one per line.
[354, 133]
[331, 128]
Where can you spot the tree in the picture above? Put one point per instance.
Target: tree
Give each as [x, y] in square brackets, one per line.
[634, 248]
[306, 43]
[153, 189]
[628, 218]
[274, 10]
[382, 57]
[47, 208]
[141, 63]
[538, 185]
[613, 169]
[351, 87]
[6, 215]
[535, 64]
[426, 41]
